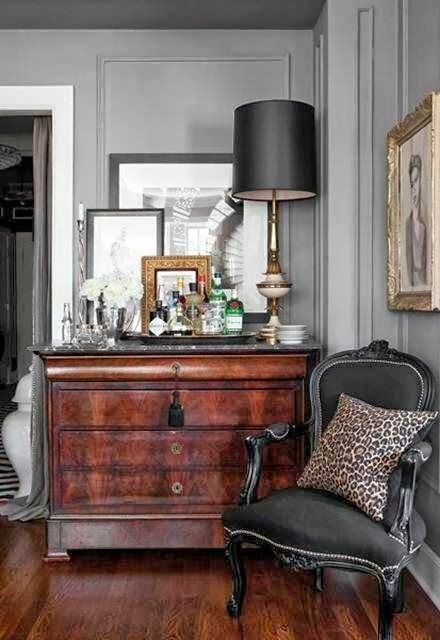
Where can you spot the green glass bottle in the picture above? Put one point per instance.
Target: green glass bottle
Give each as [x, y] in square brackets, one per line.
[234, 314]
[217, 298]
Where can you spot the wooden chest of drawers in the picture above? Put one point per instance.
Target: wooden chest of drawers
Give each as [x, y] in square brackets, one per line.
[121, 477]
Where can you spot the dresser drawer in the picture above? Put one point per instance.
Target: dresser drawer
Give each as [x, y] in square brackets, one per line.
[200, 367]
[148, 409]
[167, 449]
[131, 490]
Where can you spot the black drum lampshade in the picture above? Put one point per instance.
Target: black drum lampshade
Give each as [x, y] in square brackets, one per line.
[274, 151]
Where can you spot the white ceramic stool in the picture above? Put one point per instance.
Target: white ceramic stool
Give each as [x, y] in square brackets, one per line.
[16, 435]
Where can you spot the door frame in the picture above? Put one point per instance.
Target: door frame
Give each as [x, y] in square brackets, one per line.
[57, 101]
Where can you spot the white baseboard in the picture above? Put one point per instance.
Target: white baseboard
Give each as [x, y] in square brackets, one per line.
[426, 570]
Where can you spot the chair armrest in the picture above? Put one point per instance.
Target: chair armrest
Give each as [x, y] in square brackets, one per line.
[278, 432]
[410, 464]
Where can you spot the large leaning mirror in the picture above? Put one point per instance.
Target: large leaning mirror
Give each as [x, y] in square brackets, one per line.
[200, 216]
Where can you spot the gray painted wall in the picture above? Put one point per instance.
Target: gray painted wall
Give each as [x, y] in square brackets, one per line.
[170, 91]
[421, 331]
[382, 58]
[362, 104]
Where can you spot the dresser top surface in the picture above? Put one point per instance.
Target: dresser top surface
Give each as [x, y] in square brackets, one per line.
[131, 349]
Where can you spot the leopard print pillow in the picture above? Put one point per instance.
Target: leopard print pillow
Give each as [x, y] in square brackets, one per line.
[360, 449]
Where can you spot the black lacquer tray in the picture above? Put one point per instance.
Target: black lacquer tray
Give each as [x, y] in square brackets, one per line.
[145, 338]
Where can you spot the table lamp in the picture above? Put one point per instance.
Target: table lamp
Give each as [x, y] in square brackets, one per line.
[274, 159]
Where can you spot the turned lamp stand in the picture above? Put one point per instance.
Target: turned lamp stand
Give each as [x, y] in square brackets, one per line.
[274, 286]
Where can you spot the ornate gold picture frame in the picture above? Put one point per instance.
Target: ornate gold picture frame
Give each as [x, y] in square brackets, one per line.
[169, 266]
[414, 209]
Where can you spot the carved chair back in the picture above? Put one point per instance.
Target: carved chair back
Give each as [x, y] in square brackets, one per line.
[376, 374]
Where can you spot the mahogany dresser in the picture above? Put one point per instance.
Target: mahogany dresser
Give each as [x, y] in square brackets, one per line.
[122, 477]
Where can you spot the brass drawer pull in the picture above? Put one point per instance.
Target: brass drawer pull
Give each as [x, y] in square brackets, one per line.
[176, 367]
[177, 488]
[176, 448]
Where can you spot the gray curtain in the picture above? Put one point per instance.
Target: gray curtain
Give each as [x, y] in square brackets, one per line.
[36, 504]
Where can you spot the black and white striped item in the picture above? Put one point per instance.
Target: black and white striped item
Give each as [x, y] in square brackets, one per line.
[8, 477]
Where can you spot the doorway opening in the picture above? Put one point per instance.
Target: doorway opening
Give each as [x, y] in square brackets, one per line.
[16, 248]
[25, 259]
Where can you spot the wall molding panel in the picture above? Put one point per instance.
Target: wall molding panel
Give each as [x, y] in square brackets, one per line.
[402, 108]
[280, 73]
[364, 184]
[320, 221]
[103, 65]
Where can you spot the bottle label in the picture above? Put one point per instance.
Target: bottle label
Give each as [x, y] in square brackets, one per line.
[234, 323]
[157, 326]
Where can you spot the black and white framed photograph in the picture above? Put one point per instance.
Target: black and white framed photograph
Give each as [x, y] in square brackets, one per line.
[118, 238]
[200, 215]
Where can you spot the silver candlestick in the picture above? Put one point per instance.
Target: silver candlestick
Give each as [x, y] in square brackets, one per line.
[82, 302]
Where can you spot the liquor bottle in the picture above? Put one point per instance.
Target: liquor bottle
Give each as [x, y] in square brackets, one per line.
[217, 292]
[217, 298]
[202, 289]
[157, 325]
[234, 313]
[67, 325]
[157, 310]
[181, 287]
[180, 325]
[193, 298]
[173, 305]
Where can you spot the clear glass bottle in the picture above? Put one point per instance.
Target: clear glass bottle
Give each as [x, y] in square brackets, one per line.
[173, 306]
[181, 288]
[193, 298]
[180, 325]
[67, 325]
[234, 314]
[217, 299]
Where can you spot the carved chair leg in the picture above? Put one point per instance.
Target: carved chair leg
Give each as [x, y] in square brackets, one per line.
[233, 555]
[319, 579]
[388, 602]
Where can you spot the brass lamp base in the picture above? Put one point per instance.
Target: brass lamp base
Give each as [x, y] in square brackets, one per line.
[273, 291]
[273, 286]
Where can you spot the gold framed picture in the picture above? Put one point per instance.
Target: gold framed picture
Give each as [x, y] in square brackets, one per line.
[163, 272]
[414, 209]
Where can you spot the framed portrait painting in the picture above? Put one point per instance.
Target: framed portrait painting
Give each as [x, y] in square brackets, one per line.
[414, 209]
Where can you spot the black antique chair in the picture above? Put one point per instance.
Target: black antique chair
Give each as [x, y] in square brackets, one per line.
[309, 529]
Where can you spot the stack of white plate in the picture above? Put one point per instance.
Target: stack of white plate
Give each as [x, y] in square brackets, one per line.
[292, 333]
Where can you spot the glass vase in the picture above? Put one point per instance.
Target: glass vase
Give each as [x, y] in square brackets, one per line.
[116, 321]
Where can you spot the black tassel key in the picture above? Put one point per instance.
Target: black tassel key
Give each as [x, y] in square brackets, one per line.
[176, 416]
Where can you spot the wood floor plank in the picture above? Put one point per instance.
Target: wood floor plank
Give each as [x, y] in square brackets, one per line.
[181, 595]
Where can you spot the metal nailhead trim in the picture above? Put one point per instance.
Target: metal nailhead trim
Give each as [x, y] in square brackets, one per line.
[313, 554]
[277, 437]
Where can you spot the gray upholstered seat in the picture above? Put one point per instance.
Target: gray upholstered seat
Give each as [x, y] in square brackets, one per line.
[321, 524]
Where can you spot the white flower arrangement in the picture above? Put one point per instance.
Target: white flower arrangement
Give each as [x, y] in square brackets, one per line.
[117, 289]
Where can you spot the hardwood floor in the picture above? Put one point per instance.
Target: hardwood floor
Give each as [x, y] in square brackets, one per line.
[181, 596]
